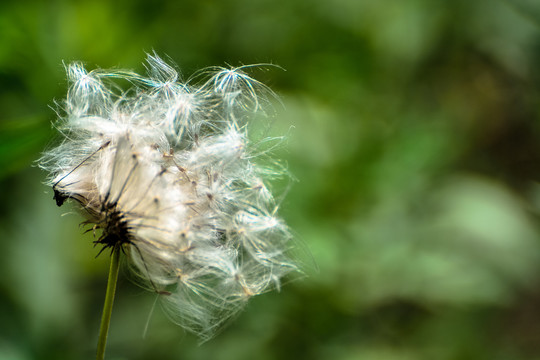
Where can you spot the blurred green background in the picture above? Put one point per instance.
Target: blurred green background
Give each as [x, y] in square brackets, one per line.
[413, 131]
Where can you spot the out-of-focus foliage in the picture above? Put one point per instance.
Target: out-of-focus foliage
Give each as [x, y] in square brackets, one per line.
[413, 131]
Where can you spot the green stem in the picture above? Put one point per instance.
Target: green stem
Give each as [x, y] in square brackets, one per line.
[107, 307]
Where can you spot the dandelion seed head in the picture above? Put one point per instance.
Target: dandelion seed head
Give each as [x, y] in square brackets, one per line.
[166, 171]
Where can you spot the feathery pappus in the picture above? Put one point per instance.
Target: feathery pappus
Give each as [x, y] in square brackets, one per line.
[167, 173]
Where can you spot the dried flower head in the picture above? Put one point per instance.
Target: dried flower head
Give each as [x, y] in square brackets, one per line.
[166, 171]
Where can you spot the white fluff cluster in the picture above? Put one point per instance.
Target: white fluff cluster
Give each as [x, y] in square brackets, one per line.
[166, 172]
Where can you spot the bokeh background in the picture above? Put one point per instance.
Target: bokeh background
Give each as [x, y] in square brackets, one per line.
[413, 135]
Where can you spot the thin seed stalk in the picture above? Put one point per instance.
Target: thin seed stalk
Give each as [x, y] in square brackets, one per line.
[109, 300]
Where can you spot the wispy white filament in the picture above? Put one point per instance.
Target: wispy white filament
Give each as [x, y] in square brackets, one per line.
[166, 172]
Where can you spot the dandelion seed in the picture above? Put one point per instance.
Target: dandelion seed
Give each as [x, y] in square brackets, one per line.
[165, 171]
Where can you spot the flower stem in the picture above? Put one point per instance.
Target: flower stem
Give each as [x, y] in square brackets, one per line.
[107, 307]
